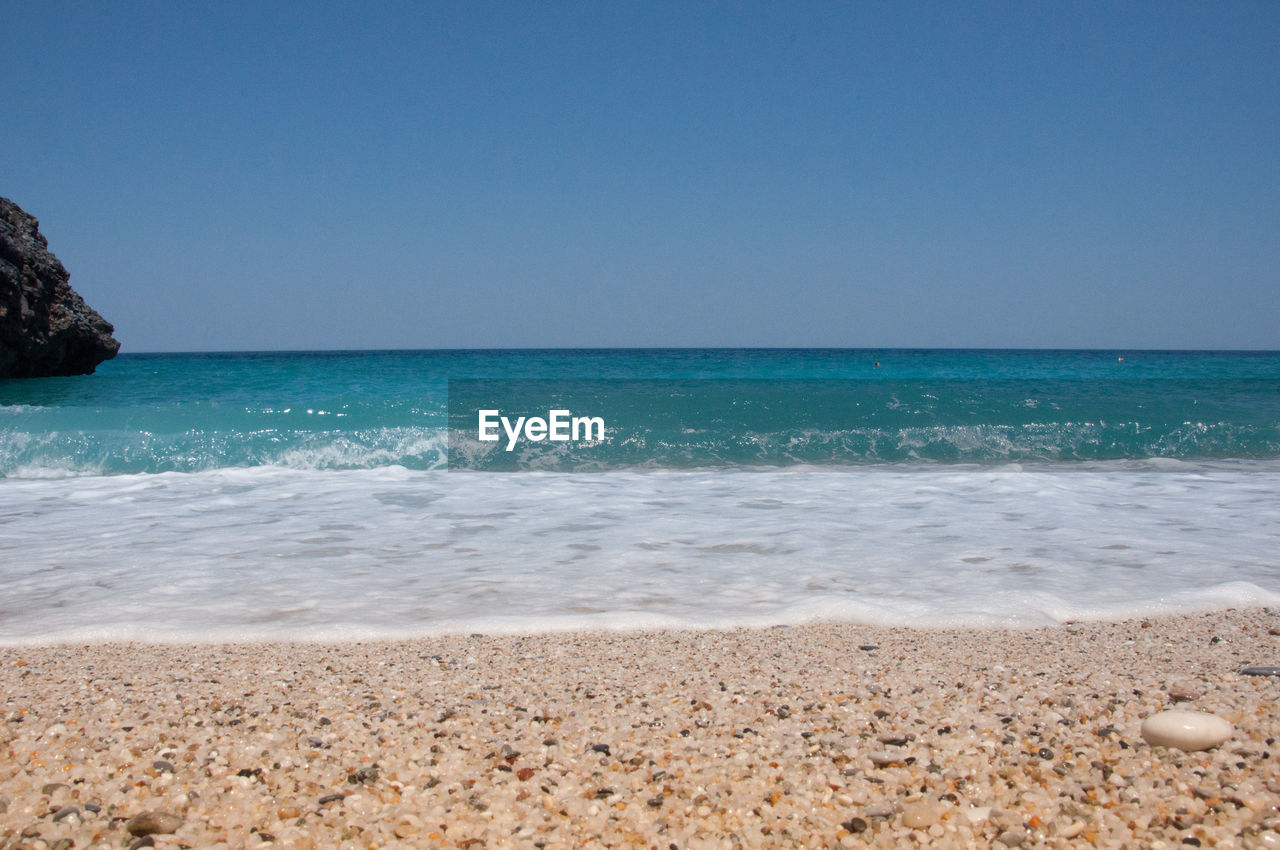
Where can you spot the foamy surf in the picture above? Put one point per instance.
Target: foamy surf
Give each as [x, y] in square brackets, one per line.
[268, 553]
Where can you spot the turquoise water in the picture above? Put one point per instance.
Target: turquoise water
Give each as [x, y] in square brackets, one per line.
[314, 496]
[667, 408]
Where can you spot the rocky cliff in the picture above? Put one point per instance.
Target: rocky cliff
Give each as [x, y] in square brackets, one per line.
[45, 326]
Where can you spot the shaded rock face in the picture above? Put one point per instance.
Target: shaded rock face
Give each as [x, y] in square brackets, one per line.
[45, 327]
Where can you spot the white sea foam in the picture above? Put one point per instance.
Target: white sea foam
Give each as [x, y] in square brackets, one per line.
[276, 553]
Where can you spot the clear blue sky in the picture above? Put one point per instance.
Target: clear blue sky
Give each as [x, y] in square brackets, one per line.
[326, 175]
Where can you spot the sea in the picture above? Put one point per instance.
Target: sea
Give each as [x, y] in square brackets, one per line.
[338, 496]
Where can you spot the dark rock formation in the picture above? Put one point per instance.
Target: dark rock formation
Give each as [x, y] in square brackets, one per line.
[45, 326]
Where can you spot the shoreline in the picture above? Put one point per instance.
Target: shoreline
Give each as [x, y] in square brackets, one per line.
[787, 736]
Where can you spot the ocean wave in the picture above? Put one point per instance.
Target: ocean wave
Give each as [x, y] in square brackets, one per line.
[988, 444]
[80, 453]
[26, 454]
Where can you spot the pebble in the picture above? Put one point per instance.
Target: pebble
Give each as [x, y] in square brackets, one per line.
[66, 812]
[1072, 830]
[1185, 730]
[1262, 839]
[1012, 837]
[153, 823]
[855, 825]
[1261, 671]
[880, 810]
[921, 815]
[882, 759]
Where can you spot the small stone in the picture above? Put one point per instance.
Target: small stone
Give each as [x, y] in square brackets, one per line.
[655, 802]
[880, 810]
[52, 788]
[1261, 839]
[868, 647]
[62, 844]
[1261, 671]
[600, 748]
[1185, 730]
[288, 812]
[855, 825]
[881, 759]
[893, 740]
[163, 766]
[1072, 830]
[363, 776]
[1012, 837]
[1183, 693]
[921, 815]
[405, 829]
[153, 823]
[66, 812]
[331, 798]
[144, 841]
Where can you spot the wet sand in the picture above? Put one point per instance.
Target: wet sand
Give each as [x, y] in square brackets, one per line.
[785, 737]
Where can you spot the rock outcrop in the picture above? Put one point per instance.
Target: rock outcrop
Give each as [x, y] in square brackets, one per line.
[45, 327]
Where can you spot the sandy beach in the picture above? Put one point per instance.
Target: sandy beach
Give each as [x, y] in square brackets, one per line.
[811, 736]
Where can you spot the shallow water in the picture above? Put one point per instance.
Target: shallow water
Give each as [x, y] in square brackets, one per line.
[289, 554]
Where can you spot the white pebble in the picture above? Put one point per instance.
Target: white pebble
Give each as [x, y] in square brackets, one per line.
[1186, 730]
[1261, 840]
